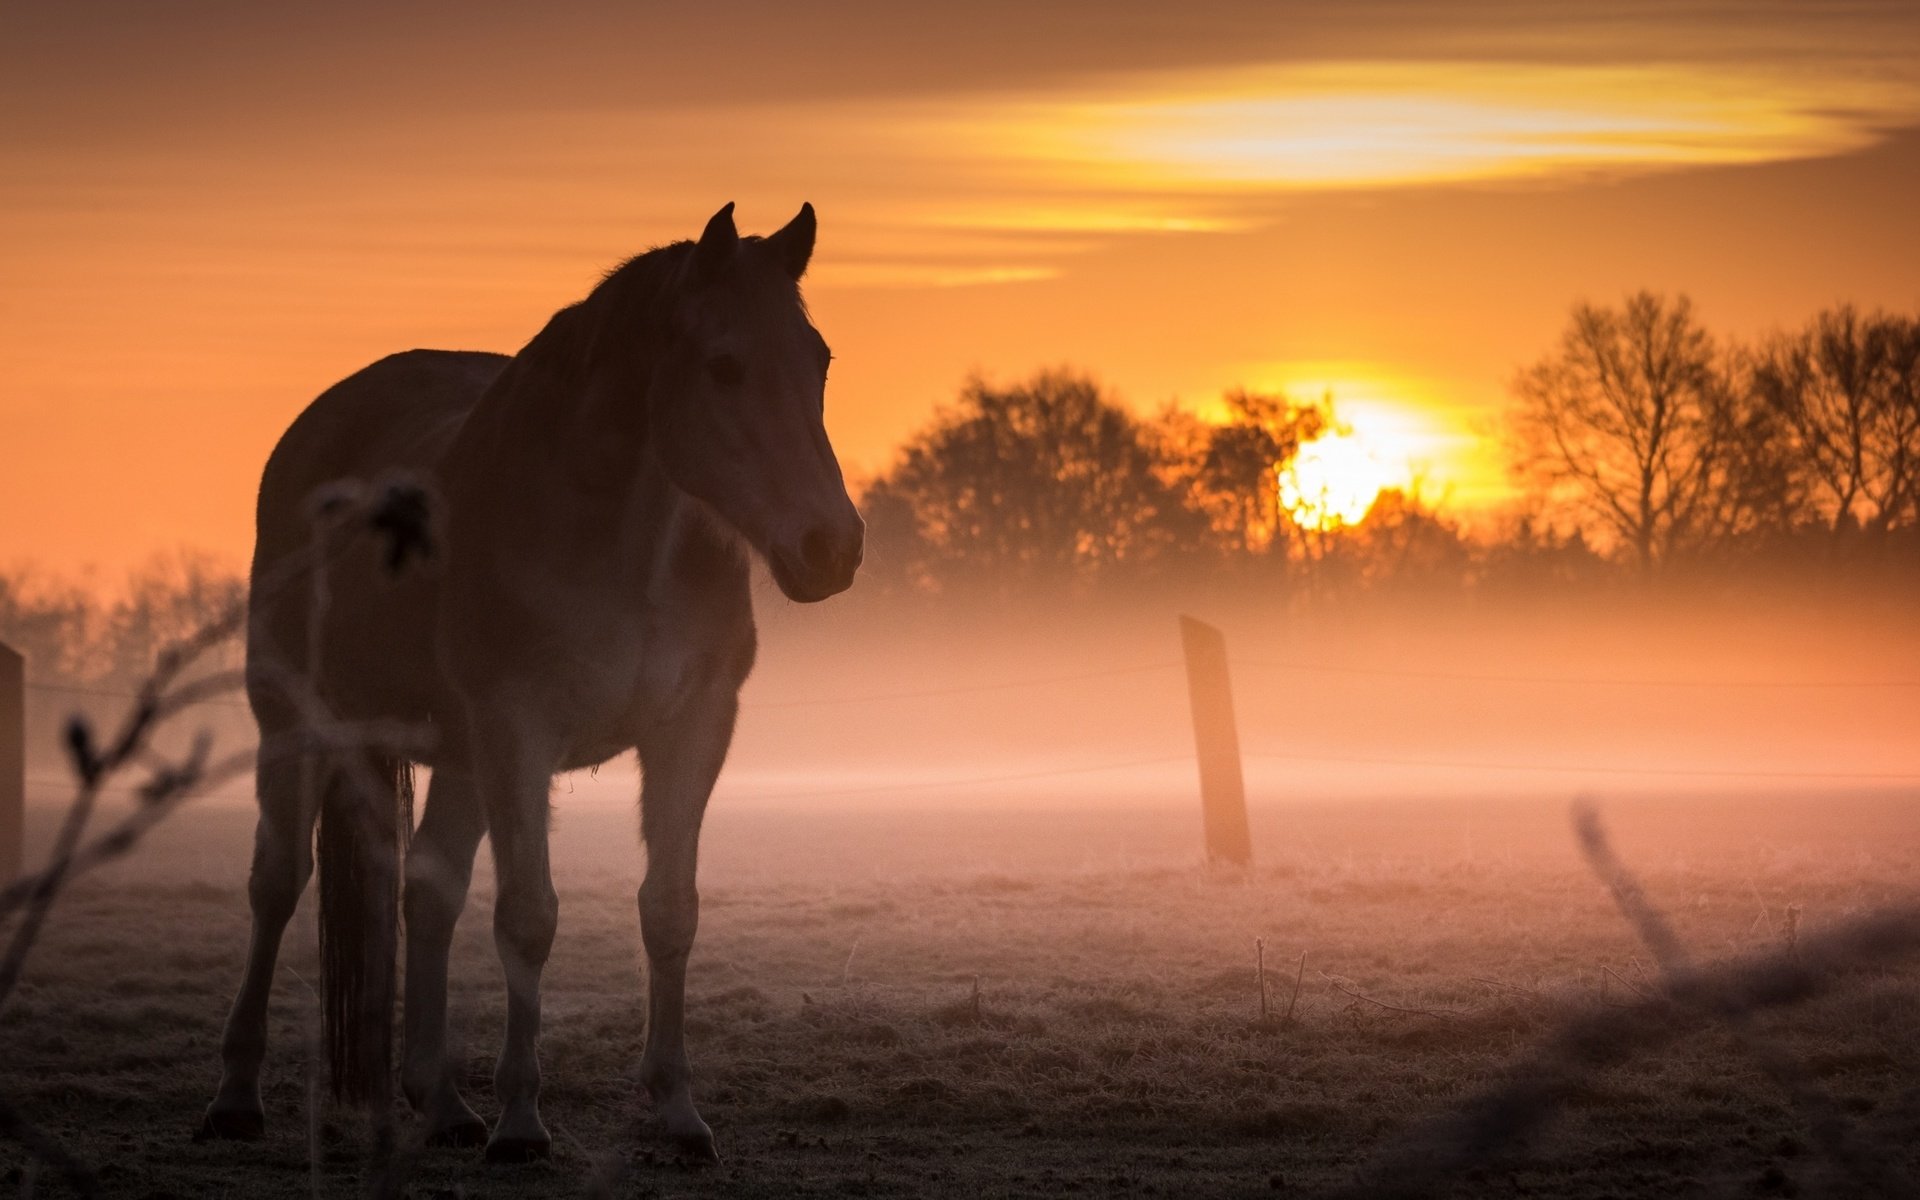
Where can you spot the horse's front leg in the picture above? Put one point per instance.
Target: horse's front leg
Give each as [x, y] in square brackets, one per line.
[513, 770]
[679, 762]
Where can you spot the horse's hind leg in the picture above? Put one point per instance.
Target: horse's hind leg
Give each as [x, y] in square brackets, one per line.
[439, 868]
[282, 864]
[679, 765]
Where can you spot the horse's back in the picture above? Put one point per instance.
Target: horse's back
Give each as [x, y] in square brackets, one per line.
[398, 415]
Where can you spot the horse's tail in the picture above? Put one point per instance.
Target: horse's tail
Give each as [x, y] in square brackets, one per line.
[361, 842]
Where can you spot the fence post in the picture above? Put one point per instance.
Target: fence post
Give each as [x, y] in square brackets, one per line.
[13, 762]
[1216, 741]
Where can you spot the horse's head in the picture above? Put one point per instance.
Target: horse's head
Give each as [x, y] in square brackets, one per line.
[738, 405]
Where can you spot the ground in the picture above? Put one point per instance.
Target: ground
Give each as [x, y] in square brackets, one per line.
[1024, 1000]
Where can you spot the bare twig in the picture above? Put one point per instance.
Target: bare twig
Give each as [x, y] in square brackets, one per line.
[1502, 985]
[1629, 984]
[125, 836]
[1427, 1162]
[396, 511]
[94, 767]
[1440, 1013]
[1628, 895]
[1871, 1169]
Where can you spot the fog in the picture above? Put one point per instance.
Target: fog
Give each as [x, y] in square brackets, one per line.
[1622, 693]
[914, 705]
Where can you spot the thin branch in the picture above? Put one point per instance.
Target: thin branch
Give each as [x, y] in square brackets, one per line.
[1428, 1161]
[1630, 985]
[1503, 986]
[1871, 1168]
[125, 836]
[1440, 1013]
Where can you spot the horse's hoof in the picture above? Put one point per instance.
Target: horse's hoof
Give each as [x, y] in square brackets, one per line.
[697, 1151]
[463, 1134]
[695, 1145]
[231, 1125]
[514, 1148]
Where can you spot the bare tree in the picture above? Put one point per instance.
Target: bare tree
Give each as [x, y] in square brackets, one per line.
[1629, 422]
[1847, 391]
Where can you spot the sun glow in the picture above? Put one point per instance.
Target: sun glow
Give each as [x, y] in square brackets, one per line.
[1334, 481]
[1390, 431]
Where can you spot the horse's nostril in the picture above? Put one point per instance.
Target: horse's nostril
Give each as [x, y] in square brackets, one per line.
[816, 550]
[826, 553]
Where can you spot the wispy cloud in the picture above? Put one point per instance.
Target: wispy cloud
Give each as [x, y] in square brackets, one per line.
[911, 274]
[1396, 124]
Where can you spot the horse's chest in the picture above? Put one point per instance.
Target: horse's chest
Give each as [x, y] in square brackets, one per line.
[637, 675]
[639, 670]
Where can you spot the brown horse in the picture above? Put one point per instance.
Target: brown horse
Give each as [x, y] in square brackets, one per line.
[598, 493]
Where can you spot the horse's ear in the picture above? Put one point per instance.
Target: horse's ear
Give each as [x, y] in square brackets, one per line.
[717, 243]
[793, 244]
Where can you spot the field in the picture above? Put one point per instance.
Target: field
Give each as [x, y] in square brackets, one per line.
[1019, 1000]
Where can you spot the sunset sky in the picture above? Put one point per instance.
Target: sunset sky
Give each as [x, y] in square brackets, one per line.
[211, 211]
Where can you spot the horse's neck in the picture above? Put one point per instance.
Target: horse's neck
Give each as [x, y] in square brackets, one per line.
[551, 470]
[542, 421]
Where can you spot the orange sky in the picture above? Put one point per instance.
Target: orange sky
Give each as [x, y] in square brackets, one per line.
[210, 211]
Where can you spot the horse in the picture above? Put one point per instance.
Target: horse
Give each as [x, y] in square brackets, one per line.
[598, 499]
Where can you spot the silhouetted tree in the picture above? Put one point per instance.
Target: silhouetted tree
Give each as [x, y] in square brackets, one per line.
[90, 648]
[896, 553]
[1529, 555]
[1045, 480]
[54, 625]
[1846, 392]
[1629, 421]
[169, 598]
[1404, 541]
[1230, 470]
[1760, 494]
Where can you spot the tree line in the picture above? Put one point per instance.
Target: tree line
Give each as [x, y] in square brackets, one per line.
[86, 649]
[1647, 433]
[1641, 443]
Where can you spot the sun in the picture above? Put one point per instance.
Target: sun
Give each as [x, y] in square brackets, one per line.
[1387, 432]
[1334, 480]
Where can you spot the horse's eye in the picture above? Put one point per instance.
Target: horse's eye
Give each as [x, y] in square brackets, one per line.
[726, 370]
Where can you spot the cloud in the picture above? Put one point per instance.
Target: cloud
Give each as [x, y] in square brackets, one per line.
[1389, 124]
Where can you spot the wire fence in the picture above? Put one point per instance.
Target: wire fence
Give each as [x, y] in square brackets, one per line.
[1039, 682]
[1303, 666]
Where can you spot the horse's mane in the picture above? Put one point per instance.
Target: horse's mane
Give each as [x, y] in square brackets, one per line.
[618, 320]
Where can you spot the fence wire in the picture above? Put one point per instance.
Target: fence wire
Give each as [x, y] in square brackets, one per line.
[1039, 682]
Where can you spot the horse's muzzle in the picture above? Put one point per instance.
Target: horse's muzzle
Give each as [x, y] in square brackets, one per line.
[821, 564]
